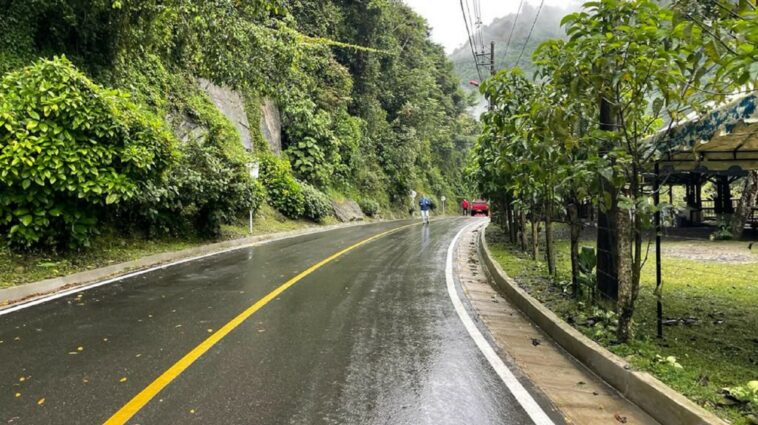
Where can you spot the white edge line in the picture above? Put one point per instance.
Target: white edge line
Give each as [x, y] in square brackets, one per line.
[46, 298]
[525, 399]
[83, 288]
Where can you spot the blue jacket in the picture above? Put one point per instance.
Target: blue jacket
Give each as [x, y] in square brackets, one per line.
[425, 204]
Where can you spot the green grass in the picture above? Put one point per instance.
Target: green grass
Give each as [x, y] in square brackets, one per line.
[111, 248]
[719, 350]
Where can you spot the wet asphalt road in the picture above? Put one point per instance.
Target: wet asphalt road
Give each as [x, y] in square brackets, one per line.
[369, 338]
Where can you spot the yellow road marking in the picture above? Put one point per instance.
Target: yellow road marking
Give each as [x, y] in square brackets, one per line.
[140, 400]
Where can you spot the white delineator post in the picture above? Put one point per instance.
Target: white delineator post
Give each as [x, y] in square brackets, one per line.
[254, 168]
[443, 199]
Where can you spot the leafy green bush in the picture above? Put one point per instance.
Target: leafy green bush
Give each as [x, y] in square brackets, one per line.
[284, 192]
[369, 207]
[317, 204]
[68, 147]
[308, 161]
[205, 189]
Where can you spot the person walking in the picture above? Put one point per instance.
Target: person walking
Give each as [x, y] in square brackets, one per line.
[464, 206]
[425, 205]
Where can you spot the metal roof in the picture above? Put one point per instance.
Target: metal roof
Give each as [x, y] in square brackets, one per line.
[723, 141]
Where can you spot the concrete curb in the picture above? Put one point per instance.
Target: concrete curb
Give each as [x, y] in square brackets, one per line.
[31, 291]
[651, 395]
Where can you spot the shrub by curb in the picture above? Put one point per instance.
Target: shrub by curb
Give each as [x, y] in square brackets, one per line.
[651, 395]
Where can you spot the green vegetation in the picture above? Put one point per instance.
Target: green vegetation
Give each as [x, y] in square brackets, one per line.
[712, 307]
[585, 135]
[369, 207]
[68, 147]
[586, 132]
[316, 205]
[103, 124]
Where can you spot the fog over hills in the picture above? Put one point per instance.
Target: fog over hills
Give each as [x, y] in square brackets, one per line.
[546, 27]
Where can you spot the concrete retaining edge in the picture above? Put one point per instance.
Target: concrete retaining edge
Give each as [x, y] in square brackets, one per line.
[32, 291]
[651, 395]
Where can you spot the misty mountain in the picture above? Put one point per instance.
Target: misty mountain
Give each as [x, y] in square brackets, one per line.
[506, 56]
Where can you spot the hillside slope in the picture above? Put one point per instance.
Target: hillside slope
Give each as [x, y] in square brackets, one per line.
[370, 109]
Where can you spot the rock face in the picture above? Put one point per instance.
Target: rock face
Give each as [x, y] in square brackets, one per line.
[231, 104]
[187, 129]
[271, 125]
[347, 211]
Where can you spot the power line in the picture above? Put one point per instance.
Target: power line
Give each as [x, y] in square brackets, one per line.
[515, 20]
[470, 42]
[529, 36]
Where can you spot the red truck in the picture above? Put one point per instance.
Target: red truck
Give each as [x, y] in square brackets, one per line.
[480, 207]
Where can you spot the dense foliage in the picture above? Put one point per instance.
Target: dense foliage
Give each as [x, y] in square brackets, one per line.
[284, 192]
[584, 133]
[67, 148]
[370, 108]
[316, 205]
[369, 207]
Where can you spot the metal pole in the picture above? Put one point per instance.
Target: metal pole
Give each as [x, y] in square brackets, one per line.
[658, 279]
[251, 221]
[492, 58]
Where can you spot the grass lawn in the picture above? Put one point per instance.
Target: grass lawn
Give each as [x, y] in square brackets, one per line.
[19, 268]
[716, 340]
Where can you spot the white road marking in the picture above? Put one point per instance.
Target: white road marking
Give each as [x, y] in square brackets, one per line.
[57, 295]
[83, 288]
[525, 399]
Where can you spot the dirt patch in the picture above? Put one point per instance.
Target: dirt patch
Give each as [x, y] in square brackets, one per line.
[733, 253]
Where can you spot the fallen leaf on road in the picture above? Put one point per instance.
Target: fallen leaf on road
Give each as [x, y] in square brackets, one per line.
[261, 330]
[105, 339]
[210, 331]
[73, 353]
[620, 418]
[192, 411]
[79, 348]
[122, 379]
[536, 342]
[41, 401]
[22, 379]
[18, 395]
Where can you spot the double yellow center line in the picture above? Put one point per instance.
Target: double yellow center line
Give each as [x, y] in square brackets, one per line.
[140, 400]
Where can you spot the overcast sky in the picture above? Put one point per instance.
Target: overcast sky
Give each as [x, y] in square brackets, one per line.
[445, 17]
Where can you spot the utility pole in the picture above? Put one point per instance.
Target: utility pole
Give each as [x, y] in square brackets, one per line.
[492, 58]
[492, 66]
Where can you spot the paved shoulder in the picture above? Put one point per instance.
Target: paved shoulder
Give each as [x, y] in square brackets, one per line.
[582, 397]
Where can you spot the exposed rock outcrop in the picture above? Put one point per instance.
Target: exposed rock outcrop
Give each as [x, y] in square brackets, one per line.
[231, 104]
[271, 125]
[347, 211]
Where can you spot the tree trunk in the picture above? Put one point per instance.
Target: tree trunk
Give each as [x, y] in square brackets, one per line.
[535, 239]
[505, 224]
[513, 227]
[549, 245]
[627, 287]
[522, 230]
[575, 231]
[746, 205]
[607, 269]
